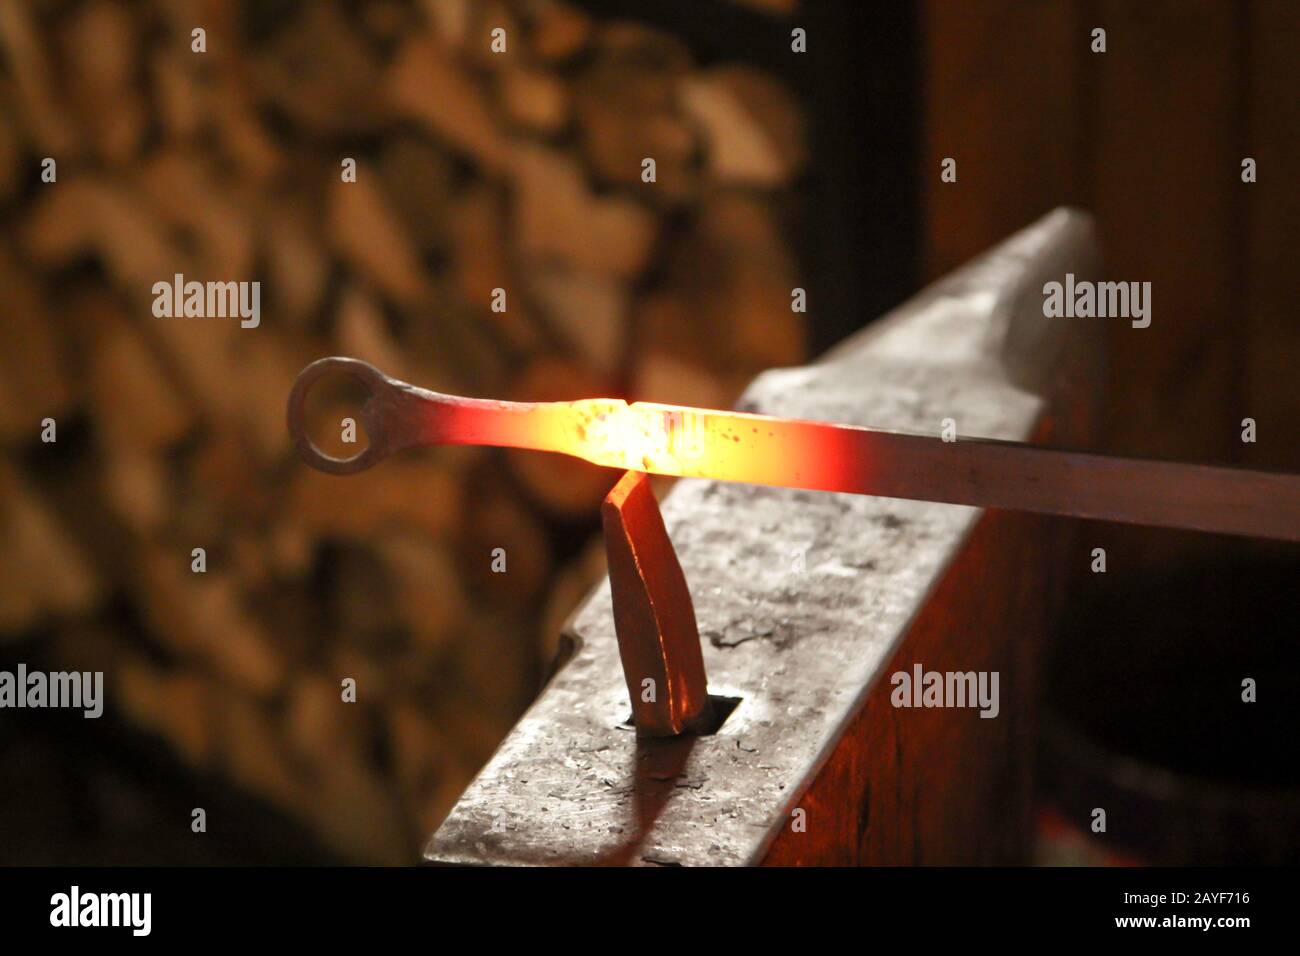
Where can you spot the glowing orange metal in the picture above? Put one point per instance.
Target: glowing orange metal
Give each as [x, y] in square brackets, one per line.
[654, 618]
[759, 449]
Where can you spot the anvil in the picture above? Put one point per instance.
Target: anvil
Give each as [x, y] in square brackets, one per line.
[976, 348]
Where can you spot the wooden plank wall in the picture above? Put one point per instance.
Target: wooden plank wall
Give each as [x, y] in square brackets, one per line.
[1002, 98]
[1273, 244]
[1164, 182]
[1149, 136]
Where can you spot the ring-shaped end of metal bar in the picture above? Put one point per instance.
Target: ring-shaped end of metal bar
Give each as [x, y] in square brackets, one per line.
[369, 376]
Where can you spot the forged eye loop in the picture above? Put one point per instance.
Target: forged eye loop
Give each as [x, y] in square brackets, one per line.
[373, 380]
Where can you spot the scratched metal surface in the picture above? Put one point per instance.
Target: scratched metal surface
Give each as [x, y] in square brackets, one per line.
[801, 648]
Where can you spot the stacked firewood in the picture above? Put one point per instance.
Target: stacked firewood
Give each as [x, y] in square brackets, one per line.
[500, 239]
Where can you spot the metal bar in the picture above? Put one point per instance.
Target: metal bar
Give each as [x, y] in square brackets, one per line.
[759, 449]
